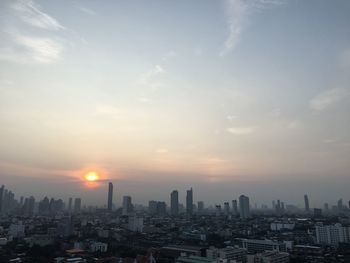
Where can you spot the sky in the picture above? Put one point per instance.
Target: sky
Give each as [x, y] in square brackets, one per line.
[229, 97]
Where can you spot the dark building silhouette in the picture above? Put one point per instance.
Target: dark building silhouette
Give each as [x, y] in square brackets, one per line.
[110, 196]
[174, 202]
[189, 201]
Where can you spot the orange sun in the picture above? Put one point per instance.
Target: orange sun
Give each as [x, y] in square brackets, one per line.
[91, 176]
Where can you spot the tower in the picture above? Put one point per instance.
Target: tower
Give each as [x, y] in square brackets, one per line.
[189, 201]
[110, 197]
[306, 201]
[174, 202]
[244, 208]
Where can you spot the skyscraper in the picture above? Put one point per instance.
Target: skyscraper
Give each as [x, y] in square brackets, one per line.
[110, 196]
[200, 205]
[127, 205]
[77, 205]
[70, 201]
[226, 208]
[189, 201]
[234, 207]
[244, 208]
[174, 202]
[1, 197]
[306, 200]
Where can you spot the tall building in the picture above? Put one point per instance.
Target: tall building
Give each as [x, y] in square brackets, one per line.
[332, 234]
[234, 207]
[306, 201]
[77, 205]
[152, 206]
[226, 208]
[174, 202]
[189, 201]
[127, 205]
[1, 197]
[244, 209]
[70, 201]
[340, 205]
[110, 196]
[200, 205]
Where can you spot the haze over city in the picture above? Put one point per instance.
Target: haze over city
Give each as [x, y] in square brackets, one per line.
[228, 97]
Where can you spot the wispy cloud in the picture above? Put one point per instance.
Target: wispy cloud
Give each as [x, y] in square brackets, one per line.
[241, 130]
[30, 13]
[150, 78]
[33, 47]
[238, 13]
[28, 49]
[87, 11]
[328, 98]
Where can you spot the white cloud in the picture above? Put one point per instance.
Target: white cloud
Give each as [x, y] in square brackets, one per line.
[21, 48]
[327, 98]
[150, 78]
[241, 130]
[87, 11]
[238, 12]
[28, 49]
[30, 13]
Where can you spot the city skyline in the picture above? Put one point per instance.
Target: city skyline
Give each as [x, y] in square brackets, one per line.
[229, 97]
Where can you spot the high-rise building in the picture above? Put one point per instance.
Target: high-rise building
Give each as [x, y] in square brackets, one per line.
[127, 205]
[244, 209]
[152, 206]
[70, 201]
[234, 207]
[340, 205]
[189, 201]
[226, 208]
[174, 202]
[306, 201]
[332, 234]
[110, 196]
[1, 197]
[77, 205]
[200, 205]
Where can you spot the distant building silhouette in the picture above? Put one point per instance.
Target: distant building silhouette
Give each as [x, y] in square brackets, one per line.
[174, 202]
[127, 205]
[189, 201]
[110, 197]
[77, 205]
[70, 201]
[306, 201]
[234, 207]
[200, 208]
[244, 209]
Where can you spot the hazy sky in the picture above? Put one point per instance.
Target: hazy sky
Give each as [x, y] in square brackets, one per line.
[229, 97]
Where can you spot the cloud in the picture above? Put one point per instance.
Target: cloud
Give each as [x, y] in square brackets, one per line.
[30, 13]
[241, 130]
[150, 78]
[36, 47]
[87, 11]
[238, 13]
[327, 98]
[28, 49]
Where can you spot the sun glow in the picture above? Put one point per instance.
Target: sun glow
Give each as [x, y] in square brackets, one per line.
[91, 176]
